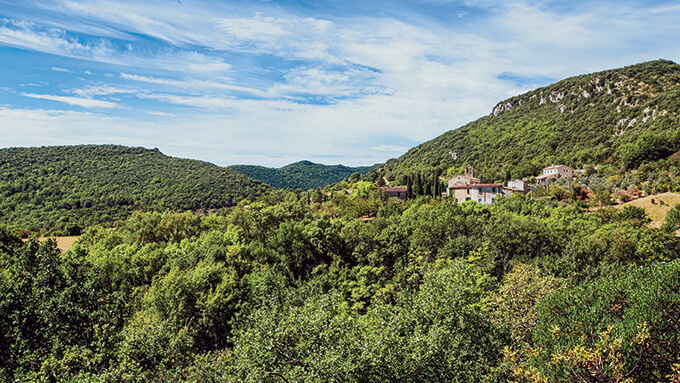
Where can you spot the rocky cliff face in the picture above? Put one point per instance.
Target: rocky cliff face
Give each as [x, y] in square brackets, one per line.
[630, 92]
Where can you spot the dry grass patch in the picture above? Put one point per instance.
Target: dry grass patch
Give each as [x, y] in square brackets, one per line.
[63, 243]
[657, 211]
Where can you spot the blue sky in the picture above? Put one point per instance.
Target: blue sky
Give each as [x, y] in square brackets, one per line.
[274, 82]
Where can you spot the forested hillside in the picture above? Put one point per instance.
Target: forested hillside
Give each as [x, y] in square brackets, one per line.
[623, 117]
[291, 291]
[303, 175]
[62, 189]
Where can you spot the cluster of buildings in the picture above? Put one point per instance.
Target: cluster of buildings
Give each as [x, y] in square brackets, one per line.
[466, 187]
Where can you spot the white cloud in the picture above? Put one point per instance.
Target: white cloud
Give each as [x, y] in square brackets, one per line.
[258, 28]
[289, 37]
[226, 103]
[162, 114]
[192, 84]
[57, 69]
[91, 91]
[37, 127]
[21, 35]
[390, 148]
[31, 36]
[315, 81]
[84, 102]
[161, 21]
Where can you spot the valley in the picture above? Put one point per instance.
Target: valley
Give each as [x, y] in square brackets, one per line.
[545, 250]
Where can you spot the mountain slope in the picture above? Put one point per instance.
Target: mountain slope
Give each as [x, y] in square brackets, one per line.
[300, 175]
[624, 116]
[61, 188]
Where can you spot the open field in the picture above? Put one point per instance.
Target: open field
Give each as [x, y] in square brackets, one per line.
[63, 243]
[657, 211]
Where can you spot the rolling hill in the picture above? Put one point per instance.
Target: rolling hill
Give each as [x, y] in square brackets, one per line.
[60, 189]
[303, 175]
[623, 116]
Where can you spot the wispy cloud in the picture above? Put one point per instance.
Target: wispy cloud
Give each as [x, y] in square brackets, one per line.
[91, 91]
[192, 84]
[84, 102]
[57, 69]
[288, 37]
[23, 35]
[226, 103]
[31, 36]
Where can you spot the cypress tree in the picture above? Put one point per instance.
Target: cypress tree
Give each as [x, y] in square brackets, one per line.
[409, 187]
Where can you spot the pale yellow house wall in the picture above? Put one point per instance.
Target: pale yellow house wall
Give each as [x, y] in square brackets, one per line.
[483, 195]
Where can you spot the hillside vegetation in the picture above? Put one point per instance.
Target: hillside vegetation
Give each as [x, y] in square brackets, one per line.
[303, 175]
[623, 117]
[61, 189]
[289, 290]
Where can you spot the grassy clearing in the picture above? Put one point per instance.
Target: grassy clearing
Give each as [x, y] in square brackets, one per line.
[63, 243]
[657, 211]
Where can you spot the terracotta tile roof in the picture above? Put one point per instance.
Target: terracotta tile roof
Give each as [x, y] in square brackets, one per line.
[395, 189]
[476, 186]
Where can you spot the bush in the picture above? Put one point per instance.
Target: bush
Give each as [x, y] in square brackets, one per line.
[609, 330]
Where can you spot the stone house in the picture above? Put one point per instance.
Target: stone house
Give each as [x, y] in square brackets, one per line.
[518, 186]
[466, 187]
[398, 192]
[556, 171]
[482, 193]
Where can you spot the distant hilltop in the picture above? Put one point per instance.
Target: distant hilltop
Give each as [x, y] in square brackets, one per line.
[303, 175]
[62, 189]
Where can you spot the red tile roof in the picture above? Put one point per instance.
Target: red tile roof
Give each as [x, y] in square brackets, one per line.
[476, 186]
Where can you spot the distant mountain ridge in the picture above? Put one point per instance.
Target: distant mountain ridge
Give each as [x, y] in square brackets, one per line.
[622, 116]
[59, 189]
[303, 175]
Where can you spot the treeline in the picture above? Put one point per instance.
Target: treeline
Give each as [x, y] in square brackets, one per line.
[624, 117]
[303, 175]
[422, 184]
[294, 289]
[64, 189]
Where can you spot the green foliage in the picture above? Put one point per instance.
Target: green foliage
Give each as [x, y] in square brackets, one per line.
[609, 330]
[344, 289]
[672, 222]
[303, 175]
[636, 215]
[515, 305]
[63, 189]
[441, 334]
[647, 148]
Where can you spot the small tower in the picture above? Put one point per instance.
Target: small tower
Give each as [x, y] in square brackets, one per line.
[470, 171]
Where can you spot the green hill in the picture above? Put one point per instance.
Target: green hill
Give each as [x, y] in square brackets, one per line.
[60, 189]
[303, 175]
[624, 116]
